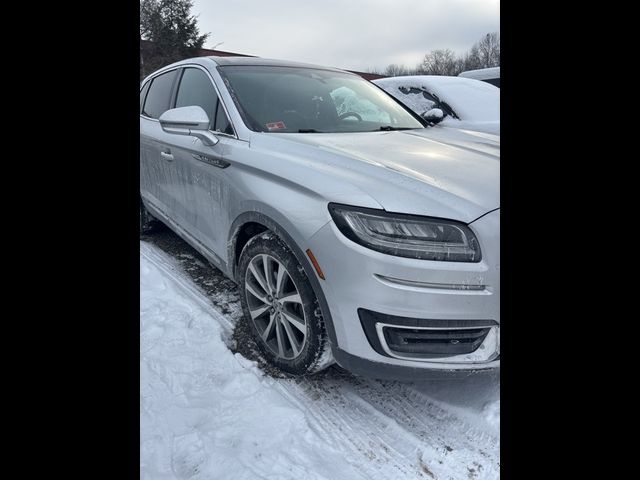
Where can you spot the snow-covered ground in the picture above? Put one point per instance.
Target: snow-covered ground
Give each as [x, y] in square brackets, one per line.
[207, 413]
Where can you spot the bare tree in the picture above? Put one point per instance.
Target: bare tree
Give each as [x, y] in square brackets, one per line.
[488, 50]
[484, 53]
[471, 59]
[439, 62]
[395, 70]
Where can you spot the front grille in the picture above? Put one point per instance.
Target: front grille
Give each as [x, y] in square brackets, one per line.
[434, 342]
[422, 338]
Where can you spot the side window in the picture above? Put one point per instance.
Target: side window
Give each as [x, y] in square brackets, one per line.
[196, 89]
[159, 96]
[143, 92]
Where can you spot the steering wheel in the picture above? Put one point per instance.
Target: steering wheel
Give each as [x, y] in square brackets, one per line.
[293, 118]
[350, 114]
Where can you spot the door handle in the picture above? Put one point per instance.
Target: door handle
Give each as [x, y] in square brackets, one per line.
[167, 155]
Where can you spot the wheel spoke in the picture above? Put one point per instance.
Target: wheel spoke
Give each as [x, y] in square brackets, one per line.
[259, 278]
[295, 321]
[295, 345]
[269, 329]
[260, 296]
[268, 273]
[291, 298]
[256, 312]
[280, 280]
[280, 338]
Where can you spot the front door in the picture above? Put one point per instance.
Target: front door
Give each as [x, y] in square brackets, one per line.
[203, 167]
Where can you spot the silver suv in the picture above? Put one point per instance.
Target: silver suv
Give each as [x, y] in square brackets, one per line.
[356, 232]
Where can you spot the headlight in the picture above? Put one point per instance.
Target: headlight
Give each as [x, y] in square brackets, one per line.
[408, 236]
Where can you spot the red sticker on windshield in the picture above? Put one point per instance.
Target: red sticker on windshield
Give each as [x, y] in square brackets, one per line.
[276, 126]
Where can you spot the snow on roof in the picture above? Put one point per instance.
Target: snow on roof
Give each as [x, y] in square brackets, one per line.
[482, 73]
[470, 99]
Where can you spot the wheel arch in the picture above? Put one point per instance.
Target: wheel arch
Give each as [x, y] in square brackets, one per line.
[261, 222]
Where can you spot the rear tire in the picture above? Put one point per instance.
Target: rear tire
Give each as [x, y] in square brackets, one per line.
[148, 223]
[281, 307]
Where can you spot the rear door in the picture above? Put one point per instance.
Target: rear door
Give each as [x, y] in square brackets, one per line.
[159, 181]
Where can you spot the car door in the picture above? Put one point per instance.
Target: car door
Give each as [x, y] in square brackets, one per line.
[159, 180]
[203, 166]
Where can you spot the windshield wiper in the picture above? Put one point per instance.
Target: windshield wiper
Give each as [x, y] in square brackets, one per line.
[389, 128]
[308, 130]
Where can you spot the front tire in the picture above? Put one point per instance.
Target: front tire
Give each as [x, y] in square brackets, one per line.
[281, 307]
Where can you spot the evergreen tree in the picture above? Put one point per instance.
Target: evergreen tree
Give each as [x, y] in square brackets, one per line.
[172, 31]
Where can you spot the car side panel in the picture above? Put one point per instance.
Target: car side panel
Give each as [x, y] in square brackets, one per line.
[156, 174]
[254, 186]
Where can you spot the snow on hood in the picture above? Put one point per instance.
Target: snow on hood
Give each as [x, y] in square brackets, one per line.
[472, 100]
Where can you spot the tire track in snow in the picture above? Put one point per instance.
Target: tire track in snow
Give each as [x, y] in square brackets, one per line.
[329, 414]
[455, 440]
[388, 429]
[394, 432]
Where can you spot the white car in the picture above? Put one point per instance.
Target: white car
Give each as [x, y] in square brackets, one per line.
[489, 75]
[465, 103]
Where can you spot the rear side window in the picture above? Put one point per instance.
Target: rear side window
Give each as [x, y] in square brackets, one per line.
[159, 96]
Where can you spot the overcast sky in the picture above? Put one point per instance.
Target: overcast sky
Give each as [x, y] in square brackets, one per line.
[349, 34]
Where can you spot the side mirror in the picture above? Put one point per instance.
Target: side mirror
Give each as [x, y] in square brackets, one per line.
[192, 121]
[435, 115]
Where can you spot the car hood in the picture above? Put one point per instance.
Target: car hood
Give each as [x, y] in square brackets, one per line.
[440, 172]
[492, 127]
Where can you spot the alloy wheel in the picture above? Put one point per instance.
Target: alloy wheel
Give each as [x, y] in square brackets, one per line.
[275, 306]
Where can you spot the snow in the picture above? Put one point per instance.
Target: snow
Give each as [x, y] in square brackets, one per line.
[205, 411]
[476, 103]
[482, 73]
[208, 413]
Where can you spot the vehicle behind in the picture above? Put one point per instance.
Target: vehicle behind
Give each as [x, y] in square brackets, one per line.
[489, 75]
[465, 103]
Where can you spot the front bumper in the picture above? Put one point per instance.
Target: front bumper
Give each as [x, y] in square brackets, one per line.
[387, 371]
[447, 293]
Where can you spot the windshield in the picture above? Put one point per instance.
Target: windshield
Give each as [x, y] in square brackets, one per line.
[306, 100]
